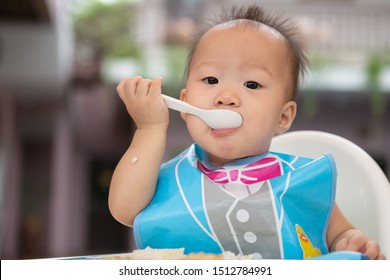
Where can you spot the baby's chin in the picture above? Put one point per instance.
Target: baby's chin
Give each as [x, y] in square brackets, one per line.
[222, 155]
[222, 158]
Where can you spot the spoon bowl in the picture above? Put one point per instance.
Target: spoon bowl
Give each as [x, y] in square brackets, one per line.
[216, 118]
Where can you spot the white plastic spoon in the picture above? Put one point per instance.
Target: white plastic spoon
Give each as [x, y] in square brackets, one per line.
[216, 118]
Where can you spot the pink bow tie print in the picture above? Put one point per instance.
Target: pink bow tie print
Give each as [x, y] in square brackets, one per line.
[261, 170]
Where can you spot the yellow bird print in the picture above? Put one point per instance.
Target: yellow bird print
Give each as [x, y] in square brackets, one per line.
[307, 247]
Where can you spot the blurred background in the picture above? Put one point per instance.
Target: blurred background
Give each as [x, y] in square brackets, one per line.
[63, 127]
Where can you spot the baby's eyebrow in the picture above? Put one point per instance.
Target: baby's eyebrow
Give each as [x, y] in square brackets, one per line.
[257, 67]
[209, 64]
[214, 64]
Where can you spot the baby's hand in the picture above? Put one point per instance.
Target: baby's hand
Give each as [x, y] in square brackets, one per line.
[354, 240]
[143, 101]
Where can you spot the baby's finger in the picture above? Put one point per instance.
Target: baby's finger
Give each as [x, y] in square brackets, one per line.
[381, 256]
[143, 87]
[128, 86]
[372, 250]
[357, 243]
[155, 86]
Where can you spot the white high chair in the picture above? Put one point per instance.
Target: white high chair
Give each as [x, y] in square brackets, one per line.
[363, 191]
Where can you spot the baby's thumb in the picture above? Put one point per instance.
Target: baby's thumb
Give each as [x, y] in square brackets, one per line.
[156, 85]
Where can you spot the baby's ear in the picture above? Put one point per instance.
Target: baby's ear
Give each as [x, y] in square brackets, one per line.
[183, 93]
[287, 117]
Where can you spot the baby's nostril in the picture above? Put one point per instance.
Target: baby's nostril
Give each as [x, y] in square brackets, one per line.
[223, 103]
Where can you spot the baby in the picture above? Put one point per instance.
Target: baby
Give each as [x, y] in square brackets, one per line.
[228, 192]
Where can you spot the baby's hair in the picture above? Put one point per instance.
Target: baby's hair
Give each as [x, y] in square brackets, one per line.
[288, 29]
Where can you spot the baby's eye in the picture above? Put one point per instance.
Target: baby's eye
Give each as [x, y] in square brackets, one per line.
[252, 85]
[211, 80]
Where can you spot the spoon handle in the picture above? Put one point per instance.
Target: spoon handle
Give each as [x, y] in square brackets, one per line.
[177, 104]
[216, 119]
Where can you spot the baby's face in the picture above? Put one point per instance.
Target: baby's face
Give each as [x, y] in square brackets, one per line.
[245, 69]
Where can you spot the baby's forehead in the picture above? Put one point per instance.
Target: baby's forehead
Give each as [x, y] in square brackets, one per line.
[246, 23]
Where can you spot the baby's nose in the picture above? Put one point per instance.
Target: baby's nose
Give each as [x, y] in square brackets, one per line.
[227, 99]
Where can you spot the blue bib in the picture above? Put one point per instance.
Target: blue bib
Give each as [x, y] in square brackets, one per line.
[285, 216]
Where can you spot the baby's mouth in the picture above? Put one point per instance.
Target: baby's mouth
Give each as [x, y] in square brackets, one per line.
[224, 131]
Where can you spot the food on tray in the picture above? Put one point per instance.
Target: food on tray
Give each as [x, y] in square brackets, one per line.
[173, 254]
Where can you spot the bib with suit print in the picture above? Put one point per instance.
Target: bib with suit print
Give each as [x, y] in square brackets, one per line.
[273, 206]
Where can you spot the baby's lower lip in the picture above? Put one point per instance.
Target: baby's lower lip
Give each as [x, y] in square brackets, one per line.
[222, 132]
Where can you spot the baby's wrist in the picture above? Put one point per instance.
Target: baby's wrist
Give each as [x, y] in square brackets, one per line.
[153, 128]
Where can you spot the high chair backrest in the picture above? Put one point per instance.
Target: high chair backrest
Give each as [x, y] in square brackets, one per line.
[363, 191]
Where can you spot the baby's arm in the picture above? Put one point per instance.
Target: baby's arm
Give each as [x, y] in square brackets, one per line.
[342, 236]
[134, 179]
